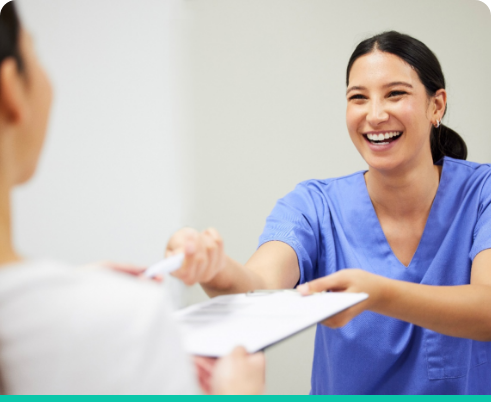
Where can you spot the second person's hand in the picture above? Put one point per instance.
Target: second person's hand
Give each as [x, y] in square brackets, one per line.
[204, 254]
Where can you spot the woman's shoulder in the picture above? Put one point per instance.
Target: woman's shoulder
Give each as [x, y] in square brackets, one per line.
[331, 186]
[57, 290]
[104, 332]
[467, 168]
[467, 175]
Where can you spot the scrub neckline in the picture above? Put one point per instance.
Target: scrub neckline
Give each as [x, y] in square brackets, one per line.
[423, 243]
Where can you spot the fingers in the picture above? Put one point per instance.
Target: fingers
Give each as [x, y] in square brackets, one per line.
[204, 369]
[126, 268]
[335, 282]
[204, 255]
[239, 352]
[215, 253]
[177, 242]
[239, 373]
[258, 362]
[192, 258]
[131, 269]
[206, 363]
[347, 280]
[343, 318]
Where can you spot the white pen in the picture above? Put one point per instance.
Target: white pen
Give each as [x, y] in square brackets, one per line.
[166, 266]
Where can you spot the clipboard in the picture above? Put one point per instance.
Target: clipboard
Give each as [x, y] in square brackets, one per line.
[213, 328]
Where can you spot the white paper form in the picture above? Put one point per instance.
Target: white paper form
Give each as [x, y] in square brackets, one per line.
[215, 327]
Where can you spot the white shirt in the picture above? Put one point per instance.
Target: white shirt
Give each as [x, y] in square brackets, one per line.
[69, 331]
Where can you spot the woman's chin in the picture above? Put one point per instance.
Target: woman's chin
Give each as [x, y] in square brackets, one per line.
[385, 164]
[25, 175]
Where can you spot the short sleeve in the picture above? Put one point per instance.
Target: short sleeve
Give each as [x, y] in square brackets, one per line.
[295, 221]
[482, 230]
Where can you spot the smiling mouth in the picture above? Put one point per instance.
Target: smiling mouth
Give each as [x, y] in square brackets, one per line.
[383, 138]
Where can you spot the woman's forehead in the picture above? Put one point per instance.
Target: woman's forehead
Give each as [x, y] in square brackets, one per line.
[380, 68]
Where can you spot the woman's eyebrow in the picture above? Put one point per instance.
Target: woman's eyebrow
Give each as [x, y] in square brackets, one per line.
[354, 88]
[391, 84]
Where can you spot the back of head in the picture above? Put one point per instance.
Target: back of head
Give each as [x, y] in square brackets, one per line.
[9, 34]
[9, 47]
[443, 140]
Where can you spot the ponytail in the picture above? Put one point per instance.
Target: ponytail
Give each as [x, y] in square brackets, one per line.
[446, 142]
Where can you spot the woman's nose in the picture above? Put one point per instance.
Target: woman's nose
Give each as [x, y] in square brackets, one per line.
[377, 114]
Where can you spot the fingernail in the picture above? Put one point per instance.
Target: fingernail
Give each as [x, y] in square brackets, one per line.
[190, 248]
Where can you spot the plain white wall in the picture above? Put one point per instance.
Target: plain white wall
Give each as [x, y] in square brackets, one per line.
[269, 109]
[108, 185]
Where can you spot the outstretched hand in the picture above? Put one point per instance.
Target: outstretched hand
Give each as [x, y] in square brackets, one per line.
[349, 280]
[204, 254]
[130, 269]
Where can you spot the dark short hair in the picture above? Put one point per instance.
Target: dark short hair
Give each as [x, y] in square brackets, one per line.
[443, 140]
[9, 34]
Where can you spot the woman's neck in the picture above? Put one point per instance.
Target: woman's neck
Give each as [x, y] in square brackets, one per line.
[405, 193]
[7, 252]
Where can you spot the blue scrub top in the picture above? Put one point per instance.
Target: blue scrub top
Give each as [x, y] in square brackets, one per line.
[331, 225]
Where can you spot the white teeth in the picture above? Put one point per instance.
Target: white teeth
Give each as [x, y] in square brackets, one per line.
[381, 137]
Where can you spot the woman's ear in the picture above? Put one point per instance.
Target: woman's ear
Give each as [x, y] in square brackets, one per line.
[439, 105]
[13, 105]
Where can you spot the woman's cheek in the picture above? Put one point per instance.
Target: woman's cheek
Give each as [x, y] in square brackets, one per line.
[354, 119]
[406, 112]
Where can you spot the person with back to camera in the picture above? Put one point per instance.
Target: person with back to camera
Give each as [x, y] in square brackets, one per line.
[413, 231]
[68, 331]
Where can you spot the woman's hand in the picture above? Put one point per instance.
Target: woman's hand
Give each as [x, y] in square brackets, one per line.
[130, 269]
[238, 373]
[204, 369]
[349, 280]
[204, 254]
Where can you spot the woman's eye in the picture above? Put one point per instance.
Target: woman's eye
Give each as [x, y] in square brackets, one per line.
[358, 96]
[397, 93]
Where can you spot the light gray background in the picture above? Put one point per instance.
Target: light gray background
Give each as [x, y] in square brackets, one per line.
[269, 109]
[108, 184]
[205, 112]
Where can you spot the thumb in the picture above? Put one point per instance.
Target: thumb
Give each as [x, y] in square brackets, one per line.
[331, 282]
[239, 352]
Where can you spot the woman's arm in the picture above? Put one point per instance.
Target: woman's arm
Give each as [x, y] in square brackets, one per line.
[460, 311]
[273, 266]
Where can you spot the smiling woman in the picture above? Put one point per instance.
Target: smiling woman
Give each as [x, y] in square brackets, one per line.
[413, 231]
[414, 73]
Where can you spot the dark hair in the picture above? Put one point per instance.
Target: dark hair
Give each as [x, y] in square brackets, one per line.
[9, 34]
[9, 47]
[443, 140]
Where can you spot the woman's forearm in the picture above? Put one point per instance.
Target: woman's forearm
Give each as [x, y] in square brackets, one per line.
[274, 265]
[460, 311]
[233, 278]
